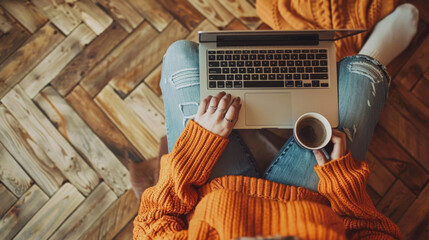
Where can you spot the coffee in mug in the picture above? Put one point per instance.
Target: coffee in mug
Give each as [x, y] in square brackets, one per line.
[312, 131]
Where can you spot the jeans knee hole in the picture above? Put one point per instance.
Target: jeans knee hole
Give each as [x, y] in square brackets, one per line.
[185, 78]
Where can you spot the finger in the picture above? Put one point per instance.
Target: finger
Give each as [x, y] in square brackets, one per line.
[214, 102]
[232, 113]
[203, 105]
[338, 149]
[343, 141]
[222, 107]
[320, 157]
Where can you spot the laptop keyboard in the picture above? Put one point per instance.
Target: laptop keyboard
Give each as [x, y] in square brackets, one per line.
[297, 68]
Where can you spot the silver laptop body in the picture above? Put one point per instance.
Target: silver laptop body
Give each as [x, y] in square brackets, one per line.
[273, 73]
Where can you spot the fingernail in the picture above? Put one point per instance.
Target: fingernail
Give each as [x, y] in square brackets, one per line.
[228, 95]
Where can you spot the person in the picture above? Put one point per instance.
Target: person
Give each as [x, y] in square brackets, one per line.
[209, 185]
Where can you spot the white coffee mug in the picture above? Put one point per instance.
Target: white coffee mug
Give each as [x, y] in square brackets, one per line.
[312, 131]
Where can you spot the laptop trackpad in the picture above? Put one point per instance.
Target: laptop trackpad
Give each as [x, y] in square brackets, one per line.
[269, 109]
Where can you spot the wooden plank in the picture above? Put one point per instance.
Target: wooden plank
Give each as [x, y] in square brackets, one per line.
[423, 7]
[54, 145]
[244, 11]
[127, 232]
[149, 108]
[152, 80]
[146, 60]
[11, 174]
[119, 59]
[22, 211]
[57, 60]
[115, 218]
[183, 12]
[396, 201]
[384, 148]
[416, 218]
[7, 199]
[13, 35]
[154, 13]
[414, 69]
[421, 90]
[28, 56]
[84, 140]
[95, 18]
[28, 153]
[114, 139]
[213, 11]
[411, 108]
[128, 122]
[59, 13]
[407, 135]
[236, 25]
[205, 25]
[264, 26]
[380, 178]
[26, 13]
[52, 214]
[123, 12]
[86, 214]
[373, 194]
[88, 59]
[398, 63]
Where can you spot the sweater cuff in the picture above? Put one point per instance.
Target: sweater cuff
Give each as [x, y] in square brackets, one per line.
[344, 172]
[196, 151]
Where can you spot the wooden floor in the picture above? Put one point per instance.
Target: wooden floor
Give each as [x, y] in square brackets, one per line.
[80, 99]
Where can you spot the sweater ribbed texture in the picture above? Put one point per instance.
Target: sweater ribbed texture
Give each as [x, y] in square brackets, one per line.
[326, 14]
[183, 206]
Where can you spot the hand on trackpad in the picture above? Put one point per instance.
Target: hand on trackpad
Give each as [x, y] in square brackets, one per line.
[268, 109]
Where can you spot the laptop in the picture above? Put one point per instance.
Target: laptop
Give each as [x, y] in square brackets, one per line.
[279, 75]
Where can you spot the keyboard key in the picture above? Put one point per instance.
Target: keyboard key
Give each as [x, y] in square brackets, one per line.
[217, 77]
[230, 77]
[273, 63]
[257, 63]
[307, 63]
[298, 83]
[212, 57]
[310, 56]
[282, 63]
[246, 51]
[288, 76]
[225, 70]
[314, 50]
[221, 84]
[228, 84]
[318, 76]
[270, 56]
[283, 70]
[294, 56]
[246, 77]
[302, 56]
[323, 63]
[292, 70]
[263, 76]
[298, 63]
[252, 57]
[305, 76]
[254, 51]
[261, 57]
[258, 70]
[242, 70]
[276, 70]
[320, 69]
[307, 84]
[224, 64]
[228, 52]
[264, 84]
[250, 70]
[296, 51]
[213, 64]
[240, 64]
[297, 76]
[280, 76]
[308, 69]
[288, 51]
[300, 69]
[228, 57]
[212, 84]
[219, 57]
[271, 51]
[290, 63]
[321, 56]
[271, 76]
[214, 70]
[255, 77]
[324, 85]
[289, 84]
[238, 77]
[279, 51]
[267, 70]
[244, 57]
[262, 51]
[322, 50]
[231, 64]
[212, 52]
[248, 63]
[236, 57]
[286, 56]
[237, 51]
[315, 63]
[315, 83]
[265, 63]
[277, 56]
[306, 51]
[220, 52]
[238, 84]
[234, 70]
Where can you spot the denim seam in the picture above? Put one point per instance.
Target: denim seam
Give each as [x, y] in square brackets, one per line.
[267, 172]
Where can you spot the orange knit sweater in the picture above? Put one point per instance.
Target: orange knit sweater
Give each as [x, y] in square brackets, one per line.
[182, 205]
[326, 14]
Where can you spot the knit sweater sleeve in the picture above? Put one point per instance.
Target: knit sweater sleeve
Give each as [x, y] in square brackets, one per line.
[164, 206]
[343, 182]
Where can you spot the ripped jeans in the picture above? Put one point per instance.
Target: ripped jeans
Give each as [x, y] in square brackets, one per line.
[363, 85]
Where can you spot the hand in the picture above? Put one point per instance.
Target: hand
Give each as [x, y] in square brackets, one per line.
[217, 115]
[340, 147]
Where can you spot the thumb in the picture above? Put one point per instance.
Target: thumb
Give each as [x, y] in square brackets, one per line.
[320, 157]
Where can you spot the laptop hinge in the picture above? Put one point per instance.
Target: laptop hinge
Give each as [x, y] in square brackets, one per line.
[266, 40]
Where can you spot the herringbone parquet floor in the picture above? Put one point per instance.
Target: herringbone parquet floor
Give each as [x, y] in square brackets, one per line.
[79, 99]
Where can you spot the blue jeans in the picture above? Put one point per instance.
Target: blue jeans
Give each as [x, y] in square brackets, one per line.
[363, 84]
